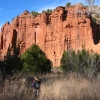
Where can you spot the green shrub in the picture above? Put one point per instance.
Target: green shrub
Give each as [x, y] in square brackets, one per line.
[97, 15]
[47, 11]
[70, 61]
[34, 60]
[12, 62]
[34, 13]
[81, 3]
[94, 19]
[43, 11]
[68, 4]
[84, 62]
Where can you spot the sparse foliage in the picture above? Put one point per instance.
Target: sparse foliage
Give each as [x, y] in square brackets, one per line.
[94, 19]
[90, 3]
[68, 4]
[97, 15]
[83, 61]
[81, 3]
[47, 11]
[43, 11]
[34, 13]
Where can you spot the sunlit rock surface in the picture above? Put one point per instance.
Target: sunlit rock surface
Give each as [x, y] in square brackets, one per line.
[63, 29]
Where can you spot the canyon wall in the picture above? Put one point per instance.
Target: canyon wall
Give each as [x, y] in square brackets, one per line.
[63, 29]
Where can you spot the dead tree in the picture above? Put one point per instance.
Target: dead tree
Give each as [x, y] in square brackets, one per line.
[90, 4]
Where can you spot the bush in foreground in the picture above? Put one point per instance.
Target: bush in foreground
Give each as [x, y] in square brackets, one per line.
[35, 60]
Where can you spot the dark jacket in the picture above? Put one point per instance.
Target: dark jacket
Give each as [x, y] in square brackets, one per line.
[36, 84]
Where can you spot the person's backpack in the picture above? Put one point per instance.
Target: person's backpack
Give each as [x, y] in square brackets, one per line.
[37, 84]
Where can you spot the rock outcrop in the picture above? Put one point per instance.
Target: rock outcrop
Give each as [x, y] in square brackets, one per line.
[63, 29]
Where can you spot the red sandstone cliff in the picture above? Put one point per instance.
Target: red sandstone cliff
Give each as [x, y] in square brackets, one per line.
[61, 30]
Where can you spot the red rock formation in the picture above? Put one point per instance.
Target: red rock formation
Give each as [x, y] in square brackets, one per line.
[63, 29]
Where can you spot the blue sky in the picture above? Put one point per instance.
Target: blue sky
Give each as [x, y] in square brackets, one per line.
[9, 9]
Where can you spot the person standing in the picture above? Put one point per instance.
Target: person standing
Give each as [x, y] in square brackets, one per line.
[36, 84]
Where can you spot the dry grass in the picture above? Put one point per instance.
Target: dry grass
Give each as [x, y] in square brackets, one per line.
[53, 87]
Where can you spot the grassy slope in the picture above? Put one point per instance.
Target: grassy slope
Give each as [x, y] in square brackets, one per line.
[54, 87]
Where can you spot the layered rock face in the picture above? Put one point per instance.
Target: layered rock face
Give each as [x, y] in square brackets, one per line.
[63, 29]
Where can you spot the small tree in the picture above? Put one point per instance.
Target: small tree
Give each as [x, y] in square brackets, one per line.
[68, 4]
[90, 3]
[47, 11]
[97, 15]
[67, 61]
[94, 19]
[43, 11]
[34, 60]
[84, 62]
[34, 13]
[12, 60]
